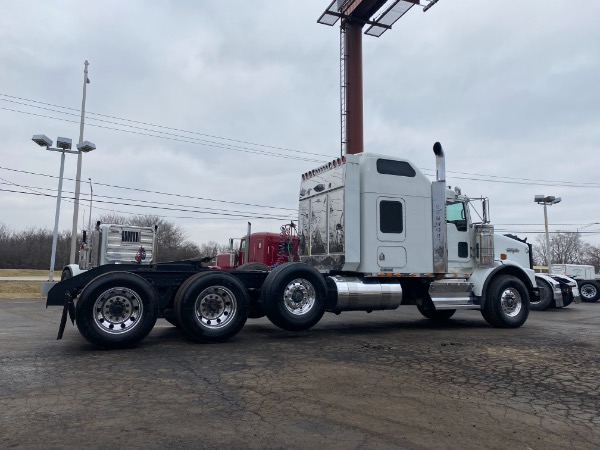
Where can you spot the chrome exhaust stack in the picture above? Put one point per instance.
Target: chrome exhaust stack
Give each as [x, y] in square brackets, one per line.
[438, 205]
[440, 162]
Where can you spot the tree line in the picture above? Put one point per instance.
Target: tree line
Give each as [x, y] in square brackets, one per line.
[566, 248]
[31, 248]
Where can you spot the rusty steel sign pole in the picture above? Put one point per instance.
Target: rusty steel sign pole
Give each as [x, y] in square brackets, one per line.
[354, 89]
[353, 16]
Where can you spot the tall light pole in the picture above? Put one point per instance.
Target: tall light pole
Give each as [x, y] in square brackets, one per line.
[547, 200]
[64, 146]
[86, 80]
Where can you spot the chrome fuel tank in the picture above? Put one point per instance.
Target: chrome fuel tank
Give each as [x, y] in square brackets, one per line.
[365, 294]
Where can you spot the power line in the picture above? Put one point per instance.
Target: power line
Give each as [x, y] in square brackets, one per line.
[96, 196]
[511, 180]
[154, 125]
[159, 208]
[155, 192]
[500, 230]
[192, 140]
[243, 216]
[184, 139]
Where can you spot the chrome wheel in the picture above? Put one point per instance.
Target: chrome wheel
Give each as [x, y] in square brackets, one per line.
[588, 291]
[511, 302]
[118, 310]
[215, 307]
[299, 296]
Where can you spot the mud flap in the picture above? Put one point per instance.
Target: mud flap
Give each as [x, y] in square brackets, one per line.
[70, 309]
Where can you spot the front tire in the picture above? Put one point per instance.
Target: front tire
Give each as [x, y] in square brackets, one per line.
[116, 310]
[294, 296]
[589, 291]
[212, 307]
[546, 297]
[507, 302]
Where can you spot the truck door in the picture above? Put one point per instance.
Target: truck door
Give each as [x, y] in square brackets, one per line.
[391, 233]
[459, 235]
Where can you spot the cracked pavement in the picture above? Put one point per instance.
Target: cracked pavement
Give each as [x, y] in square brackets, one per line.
[388, 379]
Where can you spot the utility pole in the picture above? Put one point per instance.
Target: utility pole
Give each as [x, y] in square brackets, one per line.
[78, 176]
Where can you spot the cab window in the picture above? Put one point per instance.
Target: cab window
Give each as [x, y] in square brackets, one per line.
[455, 213]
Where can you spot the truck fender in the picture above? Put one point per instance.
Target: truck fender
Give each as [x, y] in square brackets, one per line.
[553, 283]
[73, 269]
[482, 276]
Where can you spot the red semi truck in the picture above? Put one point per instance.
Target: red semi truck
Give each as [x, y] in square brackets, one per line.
[260, 251]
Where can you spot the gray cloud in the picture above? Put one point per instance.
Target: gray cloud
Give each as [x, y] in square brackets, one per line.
[509, 88]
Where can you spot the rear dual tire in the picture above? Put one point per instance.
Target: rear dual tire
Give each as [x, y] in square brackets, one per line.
[211, 307]
[116, 310]
[256, 309]
[294, 296]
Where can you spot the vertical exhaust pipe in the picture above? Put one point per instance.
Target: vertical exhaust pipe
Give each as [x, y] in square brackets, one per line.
[438, 209]
[247, 254]
[440, 162]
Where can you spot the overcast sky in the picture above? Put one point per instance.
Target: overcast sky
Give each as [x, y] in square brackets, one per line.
[247, 95]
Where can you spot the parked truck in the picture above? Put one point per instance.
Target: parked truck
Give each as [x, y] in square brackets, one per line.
[555, 291]
[584, 275]
[260, 251]
[374, 233]
[113, 244]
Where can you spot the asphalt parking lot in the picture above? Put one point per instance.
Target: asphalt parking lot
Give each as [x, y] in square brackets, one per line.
[380, 380]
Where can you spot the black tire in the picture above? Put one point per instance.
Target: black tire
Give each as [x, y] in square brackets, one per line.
[256, 310]
[173, 321]
[294, 296]
[212, 306]
[567, 299]
[436, 314]
[254, 266]
[546, 297]
[589, 291]
[66, 274]
[116, 310]
[506, 303]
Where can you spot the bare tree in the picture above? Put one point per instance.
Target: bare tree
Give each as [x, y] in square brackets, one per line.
[31, 248]
[567, 248]
[211, 248]
[592, 256]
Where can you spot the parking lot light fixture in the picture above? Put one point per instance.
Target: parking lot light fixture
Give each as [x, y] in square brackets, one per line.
[64, 146]
[547, 200]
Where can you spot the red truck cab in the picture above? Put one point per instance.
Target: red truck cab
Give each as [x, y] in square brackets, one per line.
[264, 249]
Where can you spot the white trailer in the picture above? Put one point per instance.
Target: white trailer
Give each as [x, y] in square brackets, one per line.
[585, 275]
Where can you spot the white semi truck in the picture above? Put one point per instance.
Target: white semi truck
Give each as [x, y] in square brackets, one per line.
[374, 234]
